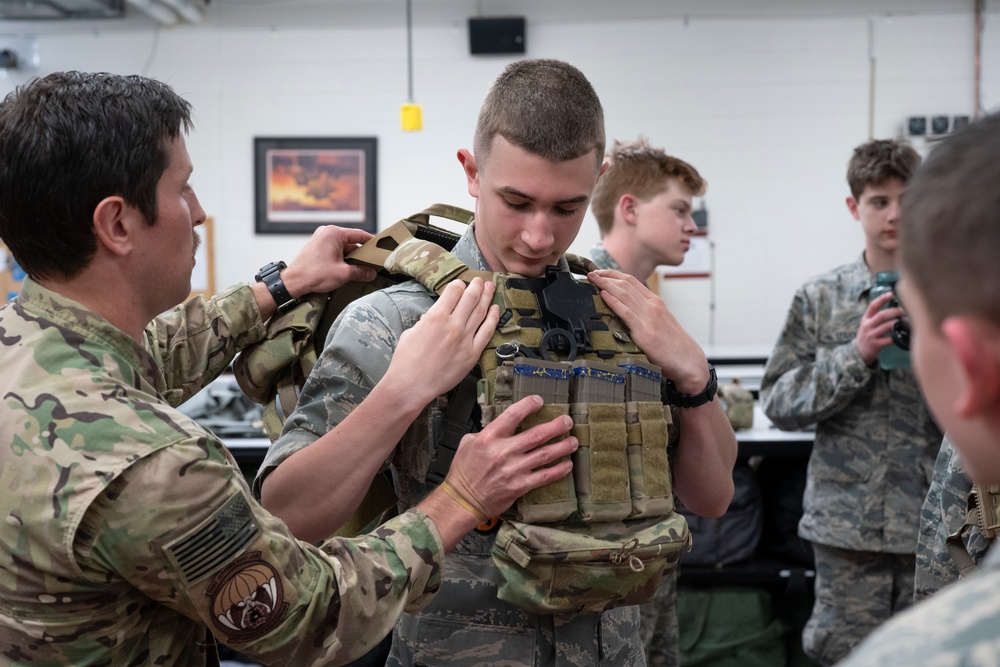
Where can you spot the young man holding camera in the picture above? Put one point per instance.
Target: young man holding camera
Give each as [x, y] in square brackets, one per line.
[875, 439]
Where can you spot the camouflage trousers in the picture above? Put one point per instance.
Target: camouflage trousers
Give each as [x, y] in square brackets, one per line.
[856, 591]
[466, 625]
[659, 628]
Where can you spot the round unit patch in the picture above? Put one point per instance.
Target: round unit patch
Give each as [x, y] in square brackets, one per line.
[247, 599]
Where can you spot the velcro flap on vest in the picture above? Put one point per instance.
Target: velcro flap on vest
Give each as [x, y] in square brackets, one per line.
[649, 467]
[519, 299]
[600, 466]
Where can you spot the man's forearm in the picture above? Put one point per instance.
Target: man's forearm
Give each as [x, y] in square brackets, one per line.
[706, 453]
[317, 489]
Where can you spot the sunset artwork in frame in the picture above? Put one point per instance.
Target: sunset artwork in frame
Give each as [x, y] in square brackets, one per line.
[303, 183]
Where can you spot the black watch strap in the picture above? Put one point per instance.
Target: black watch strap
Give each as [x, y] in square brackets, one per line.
[270, 275]
[674, 397]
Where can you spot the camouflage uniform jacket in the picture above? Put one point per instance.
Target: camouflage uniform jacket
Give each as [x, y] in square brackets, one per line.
[603, 258]
[955, 628]
[466, 624]
[944, 513]
[875, 439]
[130, 537]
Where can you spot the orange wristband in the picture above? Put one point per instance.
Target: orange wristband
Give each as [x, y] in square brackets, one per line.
[464, 502]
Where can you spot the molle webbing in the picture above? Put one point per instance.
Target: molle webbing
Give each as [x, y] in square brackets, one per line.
[561, 341]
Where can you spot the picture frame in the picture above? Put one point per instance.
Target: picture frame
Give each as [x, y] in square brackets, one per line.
[302, 183]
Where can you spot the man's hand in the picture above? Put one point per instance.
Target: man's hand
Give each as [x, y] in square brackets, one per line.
[320, 267]
[654, 329]
[876, 323]
[496, 466]
[435, 354]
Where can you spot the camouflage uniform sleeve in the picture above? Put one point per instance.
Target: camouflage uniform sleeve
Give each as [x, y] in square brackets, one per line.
[181, 528]
[197, 340]
[806, 379]
[358, 350]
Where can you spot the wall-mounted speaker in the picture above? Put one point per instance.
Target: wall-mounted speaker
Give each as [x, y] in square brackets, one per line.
[493, 35]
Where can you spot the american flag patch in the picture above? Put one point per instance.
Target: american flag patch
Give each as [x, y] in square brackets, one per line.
[215, 542]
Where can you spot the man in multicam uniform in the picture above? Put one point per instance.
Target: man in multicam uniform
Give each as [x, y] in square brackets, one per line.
[950, 282]
[539, 150]
[943, 514]
[643, 208]
[128, 535]
[875, 440]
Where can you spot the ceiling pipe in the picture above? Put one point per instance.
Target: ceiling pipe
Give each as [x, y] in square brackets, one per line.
[187, 10]
[159, 12]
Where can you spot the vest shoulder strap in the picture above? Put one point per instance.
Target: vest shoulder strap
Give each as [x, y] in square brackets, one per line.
[272, 371]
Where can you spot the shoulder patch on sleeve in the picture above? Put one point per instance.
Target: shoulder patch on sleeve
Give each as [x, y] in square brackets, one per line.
[214, 542]
[247, 598]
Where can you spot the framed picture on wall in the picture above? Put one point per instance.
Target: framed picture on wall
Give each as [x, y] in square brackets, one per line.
[302, 183]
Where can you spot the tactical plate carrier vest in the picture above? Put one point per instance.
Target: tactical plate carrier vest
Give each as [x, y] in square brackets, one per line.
[607, 534]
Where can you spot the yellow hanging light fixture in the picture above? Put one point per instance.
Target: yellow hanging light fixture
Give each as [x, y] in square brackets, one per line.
[411, 114]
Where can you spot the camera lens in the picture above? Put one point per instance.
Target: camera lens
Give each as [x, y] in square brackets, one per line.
[900, 334]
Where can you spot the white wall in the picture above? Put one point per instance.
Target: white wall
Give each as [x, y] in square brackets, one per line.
[767, 101]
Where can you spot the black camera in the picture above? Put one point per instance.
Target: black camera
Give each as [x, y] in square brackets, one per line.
[896, 355]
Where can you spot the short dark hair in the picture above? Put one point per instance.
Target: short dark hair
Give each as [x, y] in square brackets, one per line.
[639, 169]
[69, 140]
[546, 107]
[878, 161]
[950, 225]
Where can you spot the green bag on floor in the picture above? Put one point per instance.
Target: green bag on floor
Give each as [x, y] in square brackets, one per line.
[729, 627]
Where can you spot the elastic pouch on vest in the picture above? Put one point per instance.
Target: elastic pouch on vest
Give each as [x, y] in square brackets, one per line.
[586, 568]
[556, 500]
[600, 468]
[648, 468]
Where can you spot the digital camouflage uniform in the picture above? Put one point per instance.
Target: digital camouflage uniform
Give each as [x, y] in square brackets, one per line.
[942, 514]
[466, 625]
[659, 629]
[871, 462]
[130, 536]
[955, 628]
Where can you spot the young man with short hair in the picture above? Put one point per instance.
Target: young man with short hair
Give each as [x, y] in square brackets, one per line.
[875, 439]
[643, 206]
[950, 285]
[539, 151]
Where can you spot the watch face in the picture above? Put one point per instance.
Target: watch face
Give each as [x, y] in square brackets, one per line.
[268, 269]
